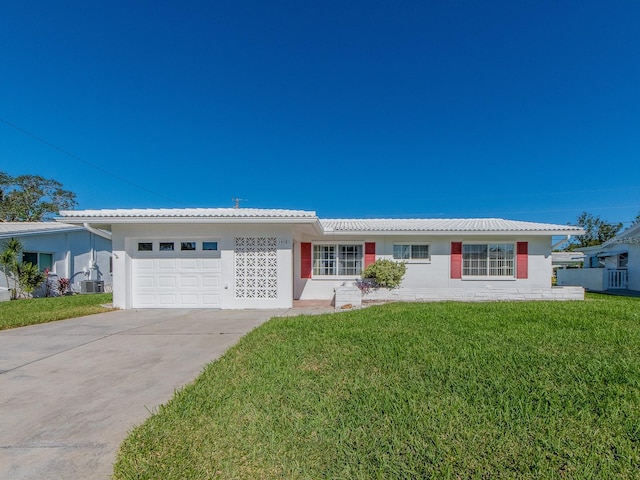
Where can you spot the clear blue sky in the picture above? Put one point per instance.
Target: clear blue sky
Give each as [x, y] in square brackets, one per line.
[525, 110]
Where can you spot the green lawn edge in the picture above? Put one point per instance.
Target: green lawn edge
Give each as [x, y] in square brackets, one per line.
[33, 311]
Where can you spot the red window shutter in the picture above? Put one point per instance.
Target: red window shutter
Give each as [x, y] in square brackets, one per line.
[369, 253]
[522, 260]
[456, 259]
[305, 260]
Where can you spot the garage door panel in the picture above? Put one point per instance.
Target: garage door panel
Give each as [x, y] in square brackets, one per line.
[211, 280]
[167, 281]
[176, 282]
[211, 264]
[144, 281]
[145, 264]
[166, 264]
[211, 300]
[167, 299]
[188, 264]
[189, 300]
[188, 281]
[145, 300]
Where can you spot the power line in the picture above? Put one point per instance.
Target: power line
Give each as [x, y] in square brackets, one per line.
[93, 165]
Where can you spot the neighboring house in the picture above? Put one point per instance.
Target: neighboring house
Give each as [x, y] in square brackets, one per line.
[613, 265]
[66, 251]
[255, 258]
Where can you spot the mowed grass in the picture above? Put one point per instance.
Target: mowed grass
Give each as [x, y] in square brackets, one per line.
[19, 313]
[433, 390]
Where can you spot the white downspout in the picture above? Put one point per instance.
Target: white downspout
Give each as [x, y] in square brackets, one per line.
[94, 260]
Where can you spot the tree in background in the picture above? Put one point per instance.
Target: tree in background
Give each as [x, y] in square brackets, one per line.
[597, 231]
[32, 198]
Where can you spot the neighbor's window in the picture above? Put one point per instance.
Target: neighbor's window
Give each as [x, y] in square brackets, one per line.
[187, 246]
[145, 246]
[208, 246]
[166, 246]
[411, 252]
[488, 260]
[337, 259]
[43, 261]
[596, 262]
[623, 260]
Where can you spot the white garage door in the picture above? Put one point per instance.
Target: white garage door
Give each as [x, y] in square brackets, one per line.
[176, 283]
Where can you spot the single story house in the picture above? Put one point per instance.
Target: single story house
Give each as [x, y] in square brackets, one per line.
[260, 258]
[76, 252]
[614, 265]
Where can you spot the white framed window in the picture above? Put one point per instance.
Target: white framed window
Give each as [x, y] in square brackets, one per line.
[338, 259]
[166, 246]
[44, 261]
[488, 260]
[411, 251]
[623, 260]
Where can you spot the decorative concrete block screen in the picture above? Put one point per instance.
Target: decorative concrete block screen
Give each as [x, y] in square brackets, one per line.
[256, 267]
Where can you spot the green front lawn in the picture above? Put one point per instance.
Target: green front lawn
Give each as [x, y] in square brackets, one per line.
[432, 390]
[19, 313]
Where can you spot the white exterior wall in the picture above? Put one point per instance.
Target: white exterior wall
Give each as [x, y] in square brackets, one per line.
[597, 279]
[435, 273]
[77, 255]
[633, 267]
[127, 236]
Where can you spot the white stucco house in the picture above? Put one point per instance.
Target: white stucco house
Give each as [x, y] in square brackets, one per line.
[614, 265]
[258, 258]
[67, 251]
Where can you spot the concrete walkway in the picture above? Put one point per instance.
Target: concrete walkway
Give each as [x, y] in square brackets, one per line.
[71, 390]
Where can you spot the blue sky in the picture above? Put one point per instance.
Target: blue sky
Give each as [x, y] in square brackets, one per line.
[522, 110]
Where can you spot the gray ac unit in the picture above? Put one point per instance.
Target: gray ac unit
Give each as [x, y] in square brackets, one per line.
[92, 286]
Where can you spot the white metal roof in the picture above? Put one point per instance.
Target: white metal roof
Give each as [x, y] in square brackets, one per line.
[8, 229]
[630, 235]
[387, 226]
[187, 213]
[444, 226]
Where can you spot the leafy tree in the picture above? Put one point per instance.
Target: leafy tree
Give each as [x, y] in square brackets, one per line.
[32, 198]
[597, 231]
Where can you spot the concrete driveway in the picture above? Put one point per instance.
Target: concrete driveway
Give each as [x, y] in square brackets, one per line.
[71, 390]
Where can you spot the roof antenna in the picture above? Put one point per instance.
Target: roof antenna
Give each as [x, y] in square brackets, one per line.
[237, 201]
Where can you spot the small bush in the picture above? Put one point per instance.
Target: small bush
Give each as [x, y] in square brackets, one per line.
[385, 273]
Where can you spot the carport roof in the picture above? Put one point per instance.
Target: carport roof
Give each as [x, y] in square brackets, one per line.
[10, 229]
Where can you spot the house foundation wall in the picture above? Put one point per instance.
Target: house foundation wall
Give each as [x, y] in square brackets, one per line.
[345, 295]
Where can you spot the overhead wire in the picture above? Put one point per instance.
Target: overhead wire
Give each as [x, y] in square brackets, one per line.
[93, 165]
